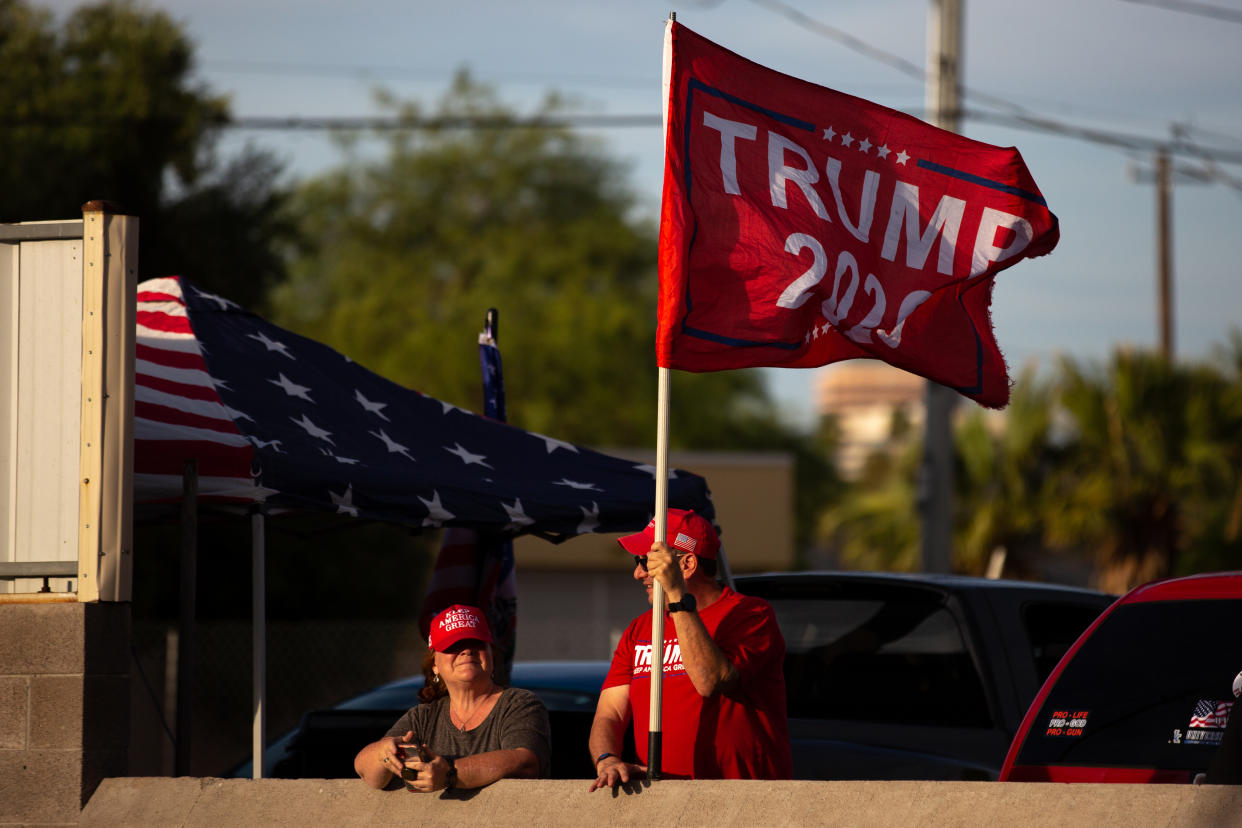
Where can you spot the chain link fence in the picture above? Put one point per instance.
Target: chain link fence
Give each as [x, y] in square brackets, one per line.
[310, 665]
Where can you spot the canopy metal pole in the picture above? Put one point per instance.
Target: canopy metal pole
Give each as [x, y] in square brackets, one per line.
[259, 626]
[722, 561]
[186, 613]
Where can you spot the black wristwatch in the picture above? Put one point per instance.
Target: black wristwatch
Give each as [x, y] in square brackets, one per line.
[450, 778]
[686, 604]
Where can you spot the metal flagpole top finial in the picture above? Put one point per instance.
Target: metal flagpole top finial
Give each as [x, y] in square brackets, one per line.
[672, 15]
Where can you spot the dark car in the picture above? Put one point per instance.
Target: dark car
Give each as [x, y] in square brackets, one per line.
[914, 676]
[324, 743]
[1145, 695]
[888, 677]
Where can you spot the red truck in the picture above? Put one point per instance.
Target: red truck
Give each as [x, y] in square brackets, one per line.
[1145, 694]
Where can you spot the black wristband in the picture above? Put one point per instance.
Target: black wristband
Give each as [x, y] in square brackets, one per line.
[450, 779]
[602, 757]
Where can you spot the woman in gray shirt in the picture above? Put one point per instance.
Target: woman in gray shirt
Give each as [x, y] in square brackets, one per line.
[469, 731]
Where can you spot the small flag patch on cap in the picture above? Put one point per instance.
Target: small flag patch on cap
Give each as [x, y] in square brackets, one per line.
[685, 542]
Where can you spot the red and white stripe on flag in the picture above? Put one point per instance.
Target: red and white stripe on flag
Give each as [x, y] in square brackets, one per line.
[470, 571]
[177, 413]
[802, 226]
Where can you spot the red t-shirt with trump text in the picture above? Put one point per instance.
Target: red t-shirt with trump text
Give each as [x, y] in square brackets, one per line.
[743, 734]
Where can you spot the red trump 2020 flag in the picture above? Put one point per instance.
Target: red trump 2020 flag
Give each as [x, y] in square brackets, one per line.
[802, 226]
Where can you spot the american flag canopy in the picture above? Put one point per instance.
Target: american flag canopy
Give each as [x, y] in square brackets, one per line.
[277, 418]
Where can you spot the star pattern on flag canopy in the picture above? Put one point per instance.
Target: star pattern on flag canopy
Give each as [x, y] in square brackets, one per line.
[376, 408]
[314, 430]
[220, 302]
[651, 470]
[574, 484]
[590, 519]
[236, 415]
[292, 388]
[392, 445]
[272, 345]
[274, 445]
[300, 421]
[345, 502]
[554, 444]
[436, 513]
[517, 516]
[467, 457]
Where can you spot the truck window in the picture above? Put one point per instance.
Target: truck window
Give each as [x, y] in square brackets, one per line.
[879, 660]
[1052, 627]
[1151, 688]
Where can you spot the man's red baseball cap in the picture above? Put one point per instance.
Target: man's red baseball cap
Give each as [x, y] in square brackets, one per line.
[686, 530]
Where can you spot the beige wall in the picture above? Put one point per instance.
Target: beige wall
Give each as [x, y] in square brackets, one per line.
[209, 803]
[753, 493]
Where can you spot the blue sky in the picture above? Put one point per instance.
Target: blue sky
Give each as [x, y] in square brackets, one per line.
[1124, 67]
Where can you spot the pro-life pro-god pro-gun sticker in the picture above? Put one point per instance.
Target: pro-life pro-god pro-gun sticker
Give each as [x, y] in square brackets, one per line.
[1067, 723]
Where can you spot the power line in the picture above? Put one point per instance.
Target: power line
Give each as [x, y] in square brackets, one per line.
[1179, 145]
[1201, 9]
[373, 71]
[379, 124]
[866, 49]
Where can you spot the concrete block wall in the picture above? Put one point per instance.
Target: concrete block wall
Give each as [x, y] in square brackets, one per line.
[209, 803]
[64, 706]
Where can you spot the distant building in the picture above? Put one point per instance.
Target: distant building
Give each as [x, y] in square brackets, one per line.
[864, 394]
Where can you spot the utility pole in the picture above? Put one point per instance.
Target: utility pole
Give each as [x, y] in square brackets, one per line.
[1163, 175]
[944, 47]
[1164, 254]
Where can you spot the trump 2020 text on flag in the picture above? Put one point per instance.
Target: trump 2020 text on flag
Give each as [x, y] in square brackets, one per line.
[802, 226]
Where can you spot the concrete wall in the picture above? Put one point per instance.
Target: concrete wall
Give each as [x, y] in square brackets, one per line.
[64, 706]
[213, 802]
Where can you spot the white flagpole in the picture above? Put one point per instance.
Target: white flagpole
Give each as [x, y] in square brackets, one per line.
[655, 730]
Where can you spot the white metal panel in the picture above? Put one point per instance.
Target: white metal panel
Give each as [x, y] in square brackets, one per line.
[9, 264]
[49, 403]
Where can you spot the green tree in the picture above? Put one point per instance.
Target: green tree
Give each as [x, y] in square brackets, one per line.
[873, 522]
[1150, 477]
[1003, 464]
[403, 254]
[102, 105]
[1120, 491]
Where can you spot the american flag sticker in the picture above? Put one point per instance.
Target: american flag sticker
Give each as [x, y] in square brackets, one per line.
[685, 542]
[1211, 713]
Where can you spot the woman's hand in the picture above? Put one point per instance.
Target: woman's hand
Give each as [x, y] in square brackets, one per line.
[379, 761]
[430, 772]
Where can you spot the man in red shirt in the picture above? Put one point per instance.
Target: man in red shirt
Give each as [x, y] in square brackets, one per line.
[723, 711]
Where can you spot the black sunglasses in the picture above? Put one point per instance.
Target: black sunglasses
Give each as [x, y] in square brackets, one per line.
[642, 559]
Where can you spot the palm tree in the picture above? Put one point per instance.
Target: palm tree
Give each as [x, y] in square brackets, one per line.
[1128, 473]
[1002, 471]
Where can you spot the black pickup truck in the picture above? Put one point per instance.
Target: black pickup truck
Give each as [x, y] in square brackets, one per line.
[915, 676]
